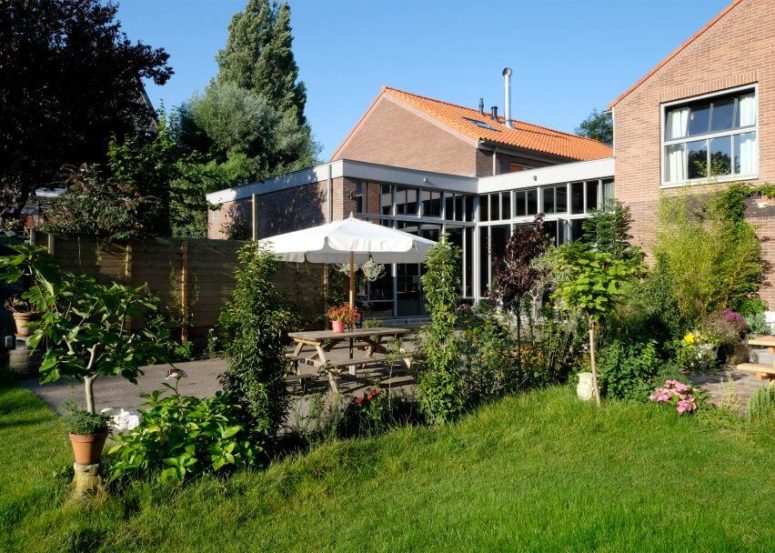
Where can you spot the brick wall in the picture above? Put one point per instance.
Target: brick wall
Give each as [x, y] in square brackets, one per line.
[393, 135]
[503, 162]
[738, 50]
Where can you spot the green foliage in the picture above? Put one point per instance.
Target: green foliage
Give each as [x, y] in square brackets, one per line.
[197, 177]
[71, 79]
[592, 282]
[598, 126]
[628, 370]
[757, 324]
[85, 327]
[714, 259]
[730, 204]
[180, 437]
[609, 230]
[761, 404]
[441, 389]
[252, 332]
[98, 205]
[84, 423]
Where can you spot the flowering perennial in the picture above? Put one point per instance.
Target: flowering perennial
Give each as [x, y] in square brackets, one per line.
[678, 394]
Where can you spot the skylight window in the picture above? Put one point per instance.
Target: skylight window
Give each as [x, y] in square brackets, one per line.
[481, 124]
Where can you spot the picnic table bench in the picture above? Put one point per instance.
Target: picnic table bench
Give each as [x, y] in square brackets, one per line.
[763, 372]
[312, 348]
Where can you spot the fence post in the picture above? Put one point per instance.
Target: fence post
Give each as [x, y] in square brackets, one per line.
[50, 244]
[254, 216]
[128, 264]
[184, 292]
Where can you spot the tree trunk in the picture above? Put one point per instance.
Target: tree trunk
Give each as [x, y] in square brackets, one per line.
[88, 385]
[595, 387]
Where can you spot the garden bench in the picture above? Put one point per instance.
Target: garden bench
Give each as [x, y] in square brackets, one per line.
[763, 372]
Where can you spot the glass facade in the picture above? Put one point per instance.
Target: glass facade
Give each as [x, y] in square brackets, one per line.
[480, 225]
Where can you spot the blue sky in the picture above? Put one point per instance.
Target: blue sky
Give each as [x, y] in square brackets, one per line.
[568, 56]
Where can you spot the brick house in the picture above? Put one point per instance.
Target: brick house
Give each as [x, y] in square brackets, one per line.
[709, 104]
[428, 166]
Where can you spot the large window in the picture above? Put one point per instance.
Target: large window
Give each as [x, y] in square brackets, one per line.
[711, 137]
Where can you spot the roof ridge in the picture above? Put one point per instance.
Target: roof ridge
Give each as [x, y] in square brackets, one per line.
[501, 120]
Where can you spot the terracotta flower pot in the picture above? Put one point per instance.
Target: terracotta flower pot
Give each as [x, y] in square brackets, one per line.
[337, 326]
[23, 321]
[87, 448]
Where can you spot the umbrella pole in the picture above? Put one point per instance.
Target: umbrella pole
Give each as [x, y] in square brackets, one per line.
[352, 279]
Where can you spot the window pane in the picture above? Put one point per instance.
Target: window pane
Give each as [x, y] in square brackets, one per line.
[561, 197]
[484, 256]
[532, 202]
[484, 208]
[469, 208]
[677, 123]
[608, 190]
[591, 195]
[699, 118]
[449, 206]
[411, 201]
[425, 199]
[550, 229]
[505, 205]
[386, 200]
[577, 197]
[746, 111]
[521, 200]
[468, 261]
[675, 163]
[721, 156]
[359, 200]
[576, 229]
[746, 154]
[721, 117]
[698, 159]
[548, 200]
[458, 207]
[499, 235]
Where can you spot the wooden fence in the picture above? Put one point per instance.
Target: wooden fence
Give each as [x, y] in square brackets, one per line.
[192, 277]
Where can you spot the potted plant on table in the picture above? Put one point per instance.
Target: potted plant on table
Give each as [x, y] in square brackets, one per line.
[342, 316]
[88, 432]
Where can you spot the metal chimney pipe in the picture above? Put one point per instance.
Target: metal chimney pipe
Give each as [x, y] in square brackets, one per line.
[481, 106]
[507, 95]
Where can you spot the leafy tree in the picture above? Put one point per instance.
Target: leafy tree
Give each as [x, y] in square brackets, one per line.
[598, 126]
[609, 230]
[516, 273]
[84, 325]
[591, 283]
[97, 205]
[258, 56]
[252, 330]
[441, 388]
[71, 79]
[196, 178]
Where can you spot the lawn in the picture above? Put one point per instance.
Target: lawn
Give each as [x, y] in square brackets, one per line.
[539, 472]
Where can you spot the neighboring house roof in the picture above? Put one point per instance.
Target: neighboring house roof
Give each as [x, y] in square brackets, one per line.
[675, 52]
[476, 126]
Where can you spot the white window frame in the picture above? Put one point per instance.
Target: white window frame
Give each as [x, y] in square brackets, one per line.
[664, 142]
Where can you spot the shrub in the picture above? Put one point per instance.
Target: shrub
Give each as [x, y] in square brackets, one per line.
[252, 330]
[182, 436]
[711, 252]
[81, 422]
[442, 394]
[761, 404]
[757, 324]
[489, 367]
[627, 370]
[609, 230]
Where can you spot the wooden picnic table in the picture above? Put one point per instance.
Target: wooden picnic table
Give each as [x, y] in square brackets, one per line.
[763, 372]
[312, 347]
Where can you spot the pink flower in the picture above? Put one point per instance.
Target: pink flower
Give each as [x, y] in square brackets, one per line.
[681, 388]
[686, 406]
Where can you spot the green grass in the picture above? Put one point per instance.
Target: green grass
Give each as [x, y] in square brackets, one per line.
[540, 472]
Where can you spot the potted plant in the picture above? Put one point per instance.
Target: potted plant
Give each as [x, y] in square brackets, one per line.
[342, 316]
[23, 313]
[88, 432]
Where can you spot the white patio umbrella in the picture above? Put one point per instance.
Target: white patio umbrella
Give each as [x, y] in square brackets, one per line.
[352, 241]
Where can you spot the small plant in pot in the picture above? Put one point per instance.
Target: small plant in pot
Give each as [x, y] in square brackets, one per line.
[88, 432]
[23, 314]
[342, 316]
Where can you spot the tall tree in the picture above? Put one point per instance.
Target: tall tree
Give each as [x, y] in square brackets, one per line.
[71, 80]
[598, 126]
[258, 56]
